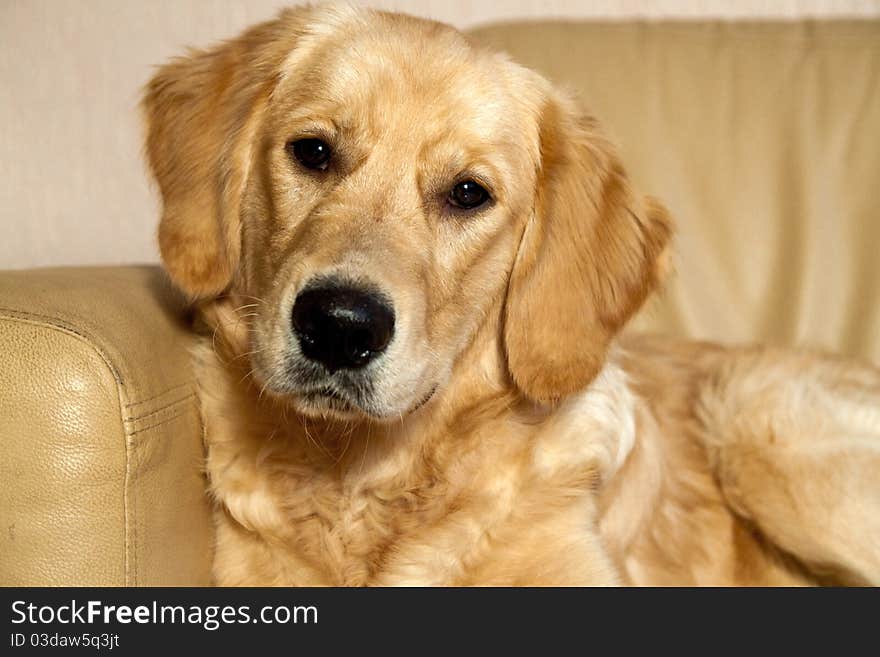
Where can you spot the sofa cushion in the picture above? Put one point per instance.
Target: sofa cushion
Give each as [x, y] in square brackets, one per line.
[100, 434]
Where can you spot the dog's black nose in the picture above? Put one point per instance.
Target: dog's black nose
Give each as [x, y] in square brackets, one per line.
[342, 327]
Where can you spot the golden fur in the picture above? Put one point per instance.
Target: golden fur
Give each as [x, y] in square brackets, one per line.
[511, 436]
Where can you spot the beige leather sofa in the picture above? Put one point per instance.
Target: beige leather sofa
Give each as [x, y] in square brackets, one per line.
[764, 141]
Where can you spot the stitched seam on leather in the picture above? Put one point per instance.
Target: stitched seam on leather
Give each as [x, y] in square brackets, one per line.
[42, 321]
[156, 418]
[130, 526]
[161, 408]
[132, 448]
[134, 445]
[158, 424]
[188, 384]
[62, 326]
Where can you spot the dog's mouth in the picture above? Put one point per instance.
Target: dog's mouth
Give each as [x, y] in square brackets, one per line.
[328, 400]
[347, 395]
[424, 400]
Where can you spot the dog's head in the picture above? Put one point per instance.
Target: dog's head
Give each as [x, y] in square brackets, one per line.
[375, 190]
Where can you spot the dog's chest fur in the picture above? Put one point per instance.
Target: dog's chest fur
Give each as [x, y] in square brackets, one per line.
[422, 504]
[322, 529]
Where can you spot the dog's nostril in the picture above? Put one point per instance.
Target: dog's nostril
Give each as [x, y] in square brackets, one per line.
[342, 327]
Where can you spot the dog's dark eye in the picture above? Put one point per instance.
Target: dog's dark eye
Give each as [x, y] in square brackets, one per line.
[468, 195]
[311, 153]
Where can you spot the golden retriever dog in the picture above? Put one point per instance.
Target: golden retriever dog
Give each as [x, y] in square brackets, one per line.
[413, 260]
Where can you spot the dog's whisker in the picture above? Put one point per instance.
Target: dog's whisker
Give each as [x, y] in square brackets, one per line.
[247, 305]
[245, 354]
[214, 348]
[366, 448]
[349, 433]
[248, 375]
[266, 384]
[318, 444]
[257, 299]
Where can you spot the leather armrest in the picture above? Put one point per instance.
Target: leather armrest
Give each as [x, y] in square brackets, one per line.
[100, 432]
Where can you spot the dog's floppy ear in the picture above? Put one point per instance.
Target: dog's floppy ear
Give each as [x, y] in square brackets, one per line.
[202, 114]
[588, 259]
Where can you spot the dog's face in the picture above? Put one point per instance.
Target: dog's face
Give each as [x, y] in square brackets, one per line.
[382, 217]
[375, 190]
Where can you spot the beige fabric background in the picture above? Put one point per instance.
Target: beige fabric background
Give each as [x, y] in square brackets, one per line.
[72, 186]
